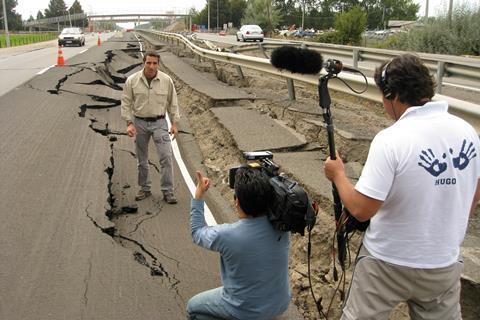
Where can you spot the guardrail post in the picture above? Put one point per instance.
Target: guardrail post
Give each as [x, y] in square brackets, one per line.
[214, 66]
[239, 69]
[262, 49]
[355, 58]
[440, 73]
[291, 89]
[240, 72]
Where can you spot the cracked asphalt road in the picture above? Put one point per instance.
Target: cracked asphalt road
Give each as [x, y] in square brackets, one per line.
[70, 250]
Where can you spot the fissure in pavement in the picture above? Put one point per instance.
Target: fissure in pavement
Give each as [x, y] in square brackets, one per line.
[142, 255]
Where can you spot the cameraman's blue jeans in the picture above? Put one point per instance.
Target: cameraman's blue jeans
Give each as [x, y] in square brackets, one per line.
[208, 305]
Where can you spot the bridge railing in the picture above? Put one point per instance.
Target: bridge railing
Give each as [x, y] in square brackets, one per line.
[146, 16]
[469, 111]
[72, 17]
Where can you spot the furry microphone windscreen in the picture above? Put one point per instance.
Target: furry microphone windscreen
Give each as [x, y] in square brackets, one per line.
[297, 60]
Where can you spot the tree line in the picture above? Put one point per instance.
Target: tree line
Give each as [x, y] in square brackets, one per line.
[317, 14]
[56, 8]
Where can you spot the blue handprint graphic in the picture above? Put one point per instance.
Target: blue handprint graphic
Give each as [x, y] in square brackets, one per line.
[431, 163]
[464, 156]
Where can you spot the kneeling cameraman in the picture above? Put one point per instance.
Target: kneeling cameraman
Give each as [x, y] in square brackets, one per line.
[253, 255]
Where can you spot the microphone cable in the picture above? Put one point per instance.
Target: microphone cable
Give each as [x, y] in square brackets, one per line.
[352, 70]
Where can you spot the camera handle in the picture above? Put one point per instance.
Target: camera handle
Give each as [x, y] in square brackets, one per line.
[341, 233]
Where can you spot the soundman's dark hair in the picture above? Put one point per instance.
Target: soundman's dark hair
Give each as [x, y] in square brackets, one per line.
[297, 60]
[408, 77]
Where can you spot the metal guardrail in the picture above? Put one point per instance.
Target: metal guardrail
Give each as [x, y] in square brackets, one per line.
[463, 108]
[441, 65]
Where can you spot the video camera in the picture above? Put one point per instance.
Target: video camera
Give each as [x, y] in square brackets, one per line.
[262, 161]
[291, 208]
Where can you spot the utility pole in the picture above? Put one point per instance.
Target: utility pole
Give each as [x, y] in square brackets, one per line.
[5, 22]
[303, 15]
[217, 15]
[426, 11]
[450, 10]
[383, 18]
[208, 5]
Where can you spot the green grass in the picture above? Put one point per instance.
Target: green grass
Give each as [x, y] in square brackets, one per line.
[27, 38]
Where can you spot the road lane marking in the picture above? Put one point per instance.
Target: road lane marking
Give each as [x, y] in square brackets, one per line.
[45, 70]
[188, 179]
[140, 43]
[83, 51]
[183, 168]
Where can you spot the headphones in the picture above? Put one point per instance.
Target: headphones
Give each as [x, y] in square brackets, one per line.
[386, 90]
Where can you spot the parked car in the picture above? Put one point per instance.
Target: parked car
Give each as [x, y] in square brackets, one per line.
[286, 33]
[250, 32]
[71, 36]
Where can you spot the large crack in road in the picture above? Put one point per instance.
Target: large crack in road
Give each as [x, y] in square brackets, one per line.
[141, 252]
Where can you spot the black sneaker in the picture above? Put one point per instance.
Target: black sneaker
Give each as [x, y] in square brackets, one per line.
[169, 198]
[142, 194]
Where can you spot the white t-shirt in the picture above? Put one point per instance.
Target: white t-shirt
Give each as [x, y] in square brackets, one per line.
[425, 168]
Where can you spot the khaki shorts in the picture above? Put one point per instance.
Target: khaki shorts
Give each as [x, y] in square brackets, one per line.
[377, 287]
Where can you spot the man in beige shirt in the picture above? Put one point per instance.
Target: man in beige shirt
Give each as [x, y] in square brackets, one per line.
[147, 96]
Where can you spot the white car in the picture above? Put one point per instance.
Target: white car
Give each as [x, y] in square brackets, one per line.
[250, 32]
[71, 36]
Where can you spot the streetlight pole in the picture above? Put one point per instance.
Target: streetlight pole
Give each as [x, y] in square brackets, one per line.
[208, 5]
[217, 15]
[5, 22]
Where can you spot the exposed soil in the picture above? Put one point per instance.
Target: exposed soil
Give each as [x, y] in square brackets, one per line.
[357, 122]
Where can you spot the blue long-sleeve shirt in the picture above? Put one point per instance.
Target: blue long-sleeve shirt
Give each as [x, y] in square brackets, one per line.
[254, 263]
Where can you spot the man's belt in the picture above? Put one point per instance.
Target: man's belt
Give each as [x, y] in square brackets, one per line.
[151, 119]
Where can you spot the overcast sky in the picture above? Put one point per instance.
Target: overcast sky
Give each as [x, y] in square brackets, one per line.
[31, 7]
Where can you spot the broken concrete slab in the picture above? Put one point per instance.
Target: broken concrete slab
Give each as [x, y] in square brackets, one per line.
[254, 131]
[125, 63]
[201, 83]
[89, 82]
[157, 43]
[306, 167]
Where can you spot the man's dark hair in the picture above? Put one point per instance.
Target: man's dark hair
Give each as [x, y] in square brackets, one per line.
[253, 190]
[407, 77]
[151, 54]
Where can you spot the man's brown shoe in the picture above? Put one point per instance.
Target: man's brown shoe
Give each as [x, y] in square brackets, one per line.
[142, 194]
[169, 198]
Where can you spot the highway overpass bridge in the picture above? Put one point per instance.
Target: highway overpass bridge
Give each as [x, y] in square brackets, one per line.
[110, 17]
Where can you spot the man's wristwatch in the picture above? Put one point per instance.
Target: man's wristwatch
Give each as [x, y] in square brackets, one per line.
[129, 123]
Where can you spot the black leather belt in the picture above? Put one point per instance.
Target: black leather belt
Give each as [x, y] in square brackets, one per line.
[151, 119]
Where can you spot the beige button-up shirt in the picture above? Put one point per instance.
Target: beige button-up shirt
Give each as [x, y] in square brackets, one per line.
[143, 100]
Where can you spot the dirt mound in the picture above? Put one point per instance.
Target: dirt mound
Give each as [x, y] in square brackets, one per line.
[176, 27]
